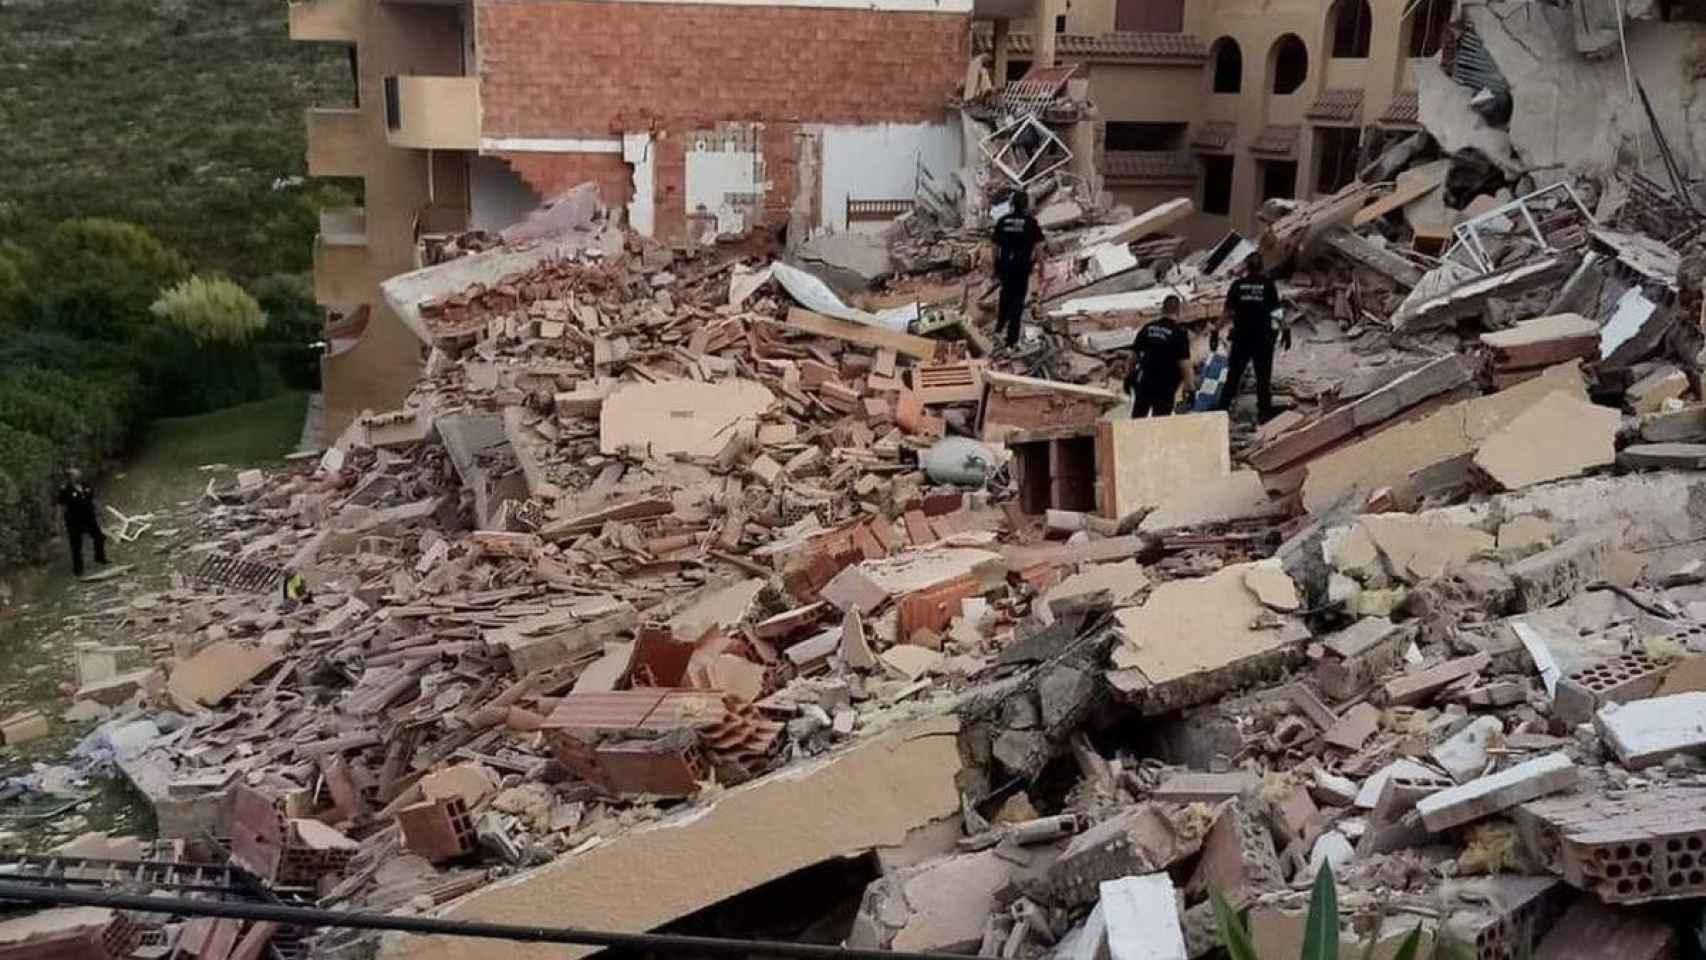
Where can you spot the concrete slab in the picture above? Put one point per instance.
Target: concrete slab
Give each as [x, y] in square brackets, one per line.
[724, 606]
[1143, 463]
[1689, 423]
[865, 797]
[1273, 586]
[1464, 754]
[1123, 581]
[1526, 531]
[1543, 341]
[1485, 796]
[1559, 436]
[1142, 914]
[1387, 458]
[1663, 456]
[1646, 732]
[1414, 548]
[1238, 495]
[679, 416]
[1194, 628]
[405, 292]
[217, 671]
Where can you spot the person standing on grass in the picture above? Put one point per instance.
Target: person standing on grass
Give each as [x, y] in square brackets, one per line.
[1016, 237]
[77, 500]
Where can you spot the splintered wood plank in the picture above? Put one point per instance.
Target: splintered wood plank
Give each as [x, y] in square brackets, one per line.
[866, 335]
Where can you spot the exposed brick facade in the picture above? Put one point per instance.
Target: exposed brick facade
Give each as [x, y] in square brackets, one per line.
[551, 68]
[551, 173]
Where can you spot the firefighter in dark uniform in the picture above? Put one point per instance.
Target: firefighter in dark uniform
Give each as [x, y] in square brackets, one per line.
[77, 501]
[1250, 305]
[1016, 237]
[1160, 363]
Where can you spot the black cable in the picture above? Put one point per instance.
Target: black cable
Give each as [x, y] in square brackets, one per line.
[314, 917]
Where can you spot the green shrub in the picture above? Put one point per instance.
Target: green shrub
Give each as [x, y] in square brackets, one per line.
[15, 265]
[125, 253]
[211, 310]
[294, 327]
[29, 468]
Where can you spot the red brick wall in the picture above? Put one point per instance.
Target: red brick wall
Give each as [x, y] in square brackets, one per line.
[552, 173]
[551, 68]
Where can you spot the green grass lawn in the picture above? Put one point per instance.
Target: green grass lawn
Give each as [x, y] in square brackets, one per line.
[54, 611]
[167, 466]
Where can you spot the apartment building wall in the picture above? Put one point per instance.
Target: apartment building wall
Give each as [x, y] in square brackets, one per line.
[1256, 128]
[713, 118]
[374, 368]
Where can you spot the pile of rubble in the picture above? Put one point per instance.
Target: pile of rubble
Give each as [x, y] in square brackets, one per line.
[681, 574]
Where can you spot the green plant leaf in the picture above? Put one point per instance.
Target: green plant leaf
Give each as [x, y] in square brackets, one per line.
[1233, 936]
[1412, 943]
[1321, 929]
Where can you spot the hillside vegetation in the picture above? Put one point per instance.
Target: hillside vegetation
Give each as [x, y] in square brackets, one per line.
[155, 228]
[182, 117]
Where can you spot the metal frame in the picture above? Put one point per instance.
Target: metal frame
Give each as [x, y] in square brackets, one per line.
[1469, 237]
[1006, 135]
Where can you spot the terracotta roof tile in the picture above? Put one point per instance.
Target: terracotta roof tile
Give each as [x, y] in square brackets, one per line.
[1213, 136]
[1150, 166]
[1405, 110]
[1110, 46]
[1276, 141]
[1336, 106]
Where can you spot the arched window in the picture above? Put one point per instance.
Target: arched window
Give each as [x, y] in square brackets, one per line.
[1351, 23]
[1288, 64]
[1228, 63]
[1427, 27]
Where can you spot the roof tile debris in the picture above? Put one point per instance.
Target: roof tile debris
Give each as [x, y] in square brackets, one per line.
[1336, 106]
[679, 572]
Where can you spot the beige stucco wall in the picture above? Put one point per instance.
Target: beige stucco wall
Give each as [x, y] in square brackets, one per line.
[1161, 94]
[440, 113]
[390, 40]
[1168, 93]
[337, 142]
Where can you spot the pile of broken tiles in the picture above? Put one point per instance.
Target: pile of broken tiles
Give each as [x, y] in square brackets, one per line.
[655, 565]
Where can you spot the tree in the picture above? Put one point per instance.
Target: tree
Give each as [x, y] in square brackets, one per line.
[75, 248]
[211, 311]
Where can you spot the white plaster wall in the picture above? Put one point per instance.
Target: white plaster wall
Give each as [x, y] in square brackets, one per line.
[723, 182]
[497, 196]
[637, 152]
[880, 162]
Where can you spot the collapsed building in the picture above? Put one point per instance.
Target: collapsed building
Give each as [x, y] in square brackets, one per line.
[734, 584]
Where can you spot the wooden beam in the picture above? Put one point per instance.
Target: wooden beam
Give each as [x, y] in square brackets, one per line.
[866, 335]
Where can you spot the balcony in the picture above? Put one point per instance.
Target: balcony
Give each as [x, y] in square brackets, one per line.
[341, 259]
[337, 142]
[433, 113]
[326, 21]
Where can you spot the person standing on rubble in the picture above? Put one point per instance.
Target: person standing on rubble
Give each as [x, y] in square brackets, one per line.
[77, 500]
[1160, 363]
[1251, 303]
[1016, 237]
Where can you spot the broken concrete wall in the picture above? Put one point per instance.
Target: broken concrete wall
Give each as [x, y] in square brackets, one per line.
[1662, 514]
[1571, 112]
[865, 797]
